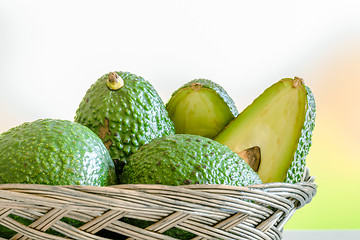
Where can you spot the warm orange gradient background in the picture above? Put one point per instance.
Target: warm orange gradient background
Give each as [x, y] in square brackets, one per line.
[334, 158]
[52, 51]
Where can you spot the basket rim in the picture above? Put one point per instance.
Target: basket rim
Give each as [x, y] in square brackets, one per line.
[259, 209]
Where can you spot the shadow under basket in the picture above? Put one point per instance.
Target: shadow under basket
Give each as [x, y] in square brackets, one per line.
[31, 211]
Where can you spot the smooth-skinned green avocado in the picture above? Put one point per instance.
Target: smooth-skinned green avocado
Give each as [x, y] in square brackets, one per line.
[126, 112]
[54, 152]
[277, 127]
[201, 107]
[182, 159]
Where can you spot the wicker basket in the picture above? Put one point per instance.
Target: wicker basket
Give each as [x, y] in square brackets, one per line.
[207, 211]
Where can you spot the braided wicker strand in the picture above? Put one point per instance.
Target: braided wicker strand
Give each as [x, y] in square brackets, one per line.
[207, 211]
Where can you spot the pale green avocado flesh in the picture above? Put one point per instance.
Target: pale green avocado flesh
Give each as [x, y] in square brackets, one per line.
[273, 122]
[199, 113]
[201, 107]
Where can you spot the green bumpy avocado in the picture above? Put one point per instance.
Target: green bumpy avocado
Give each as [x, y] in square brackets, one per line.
[201, 107]
[54, 152]
[280, 123]
[182, 159]
[125, 116]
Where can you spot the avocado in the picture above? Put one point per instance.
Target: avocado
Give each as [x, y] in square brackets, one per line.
[126, 112]
[54, 152]
[182, 159]
[279, 123]
[201, 107]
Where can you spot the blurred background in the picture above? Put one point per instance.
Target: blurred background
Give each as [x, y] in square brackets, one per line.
[52, 51]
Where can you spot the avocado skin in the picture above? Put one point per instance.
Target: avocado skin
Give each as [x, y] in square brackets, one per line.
[183, 159]
[297, 167]
[206, 83]
[124, 119]
[54, 152]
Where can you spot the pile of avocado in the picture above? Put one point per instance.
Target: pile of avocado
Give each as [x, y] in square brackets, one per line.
[123, 133]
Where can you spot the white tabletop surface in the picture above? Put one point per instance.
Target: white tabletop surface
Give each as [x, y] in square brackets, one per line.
[321, 234]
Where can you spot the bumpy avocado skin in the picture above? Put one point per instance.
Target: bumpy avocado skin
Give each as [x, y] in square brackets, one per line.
[206, 83]
[125, 119]
[182, 159]
[54, 152]
[297, 167]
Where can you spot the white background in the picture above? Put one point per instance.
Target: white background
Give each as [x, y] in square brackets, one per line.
[52, 51]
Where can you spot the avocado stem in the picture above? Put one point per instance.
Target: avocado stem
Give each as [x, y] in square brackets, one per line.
[251, 156]
[297, 82]
[114, 81]
[196, 86]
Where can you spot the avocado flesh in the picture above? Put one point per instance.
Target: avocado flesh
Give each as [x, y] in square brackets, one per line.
[201, 107]
[273, 122]
[199, 112]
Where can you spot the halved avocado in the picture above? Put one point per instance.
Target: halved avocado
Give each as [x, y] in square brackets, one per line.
[201, 107]
[274, 124]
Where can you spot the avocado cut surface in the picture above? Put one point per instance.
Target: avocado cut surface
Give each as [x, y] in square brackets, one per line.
[201, 107]
[125, 116]
[273, 122]
[54, 152]
[182, 159]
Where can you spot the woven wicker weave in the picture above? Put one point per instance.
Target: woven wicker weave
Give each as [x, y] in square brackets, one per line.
[208, 211]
